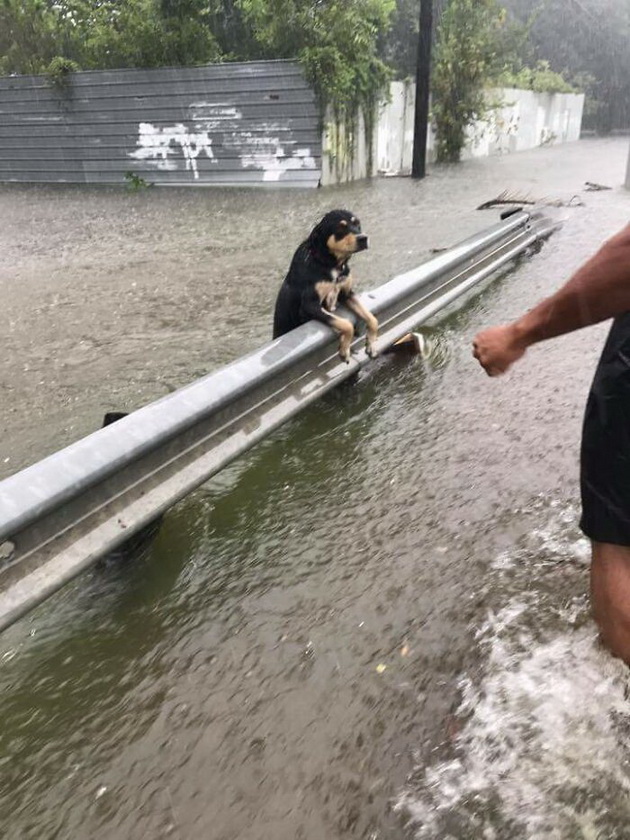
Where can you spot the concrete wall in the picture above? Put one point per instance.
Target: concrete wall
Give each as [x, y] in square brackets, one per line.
[346, 156]
[524, 120]
[241, 123]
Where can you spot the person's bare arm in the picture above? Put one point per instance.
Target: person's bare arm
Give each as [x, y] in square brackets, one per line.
[599, 290]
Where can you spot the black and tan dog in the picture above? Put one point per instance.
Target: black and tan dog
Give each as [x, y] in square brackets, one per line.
[319, 278]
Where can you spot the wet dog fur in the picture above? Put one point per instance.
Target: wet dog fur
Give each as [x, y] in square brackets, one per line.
[319, 278]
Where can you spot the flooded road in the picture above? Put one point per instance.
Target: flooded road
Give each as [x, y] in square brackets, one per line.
[375, 624]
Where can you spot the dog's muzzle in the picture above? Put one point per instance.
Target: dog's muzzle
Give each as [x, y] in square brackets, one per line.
[362, 242]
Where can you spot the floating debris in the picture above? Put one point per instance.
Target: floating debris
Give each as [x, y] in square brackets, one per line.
[506, 197]
[592, 187]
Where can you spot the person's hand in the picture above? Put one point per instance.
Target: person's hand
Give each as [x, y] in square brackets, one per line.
[497, 348]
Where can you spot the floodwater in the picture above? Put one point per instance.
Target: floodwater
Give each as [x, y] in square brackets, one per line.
[375, 624]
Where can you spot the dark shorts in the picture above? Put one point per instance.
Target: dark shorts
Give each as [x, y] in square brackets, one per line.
[605, 460]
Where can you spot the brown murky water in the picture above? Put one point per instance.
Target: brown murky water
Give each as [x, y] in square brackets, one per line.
[372, 626]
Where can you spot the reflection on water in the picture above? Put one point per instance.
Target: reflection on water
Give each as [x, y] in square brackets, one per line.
[374, 625]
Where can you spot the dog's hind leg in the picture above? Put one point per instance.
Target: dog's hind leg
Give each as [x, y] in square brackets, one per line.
[353, 303]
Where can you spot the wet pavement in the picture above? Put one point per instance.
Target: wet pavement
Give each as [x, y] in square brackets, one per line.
[374, 625]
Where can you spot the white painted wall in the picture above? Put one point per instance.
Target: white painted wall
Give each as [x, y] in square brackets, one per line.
[524, 120]
[343, 161]
[394, 133]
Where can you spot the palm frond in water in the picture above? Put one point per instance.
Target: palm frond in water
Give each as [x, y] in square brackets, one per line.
[507, 197]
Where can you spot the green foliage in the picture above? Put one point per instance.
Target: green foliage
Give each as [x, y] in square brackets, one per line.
[465, 59]
[478, 47]
[233, 34]
[29, 35]
[399, 46]
[541, 79]
[59, 69]
[103, 34]
[336, 42]
[139, 33]
[136, 182]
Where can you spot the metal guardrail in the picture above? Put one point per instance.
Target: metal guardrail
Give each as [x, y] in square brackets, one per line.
[60, 515]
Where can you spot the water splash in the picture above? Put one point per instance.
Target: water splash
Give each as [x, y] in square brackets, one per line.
[544, 748]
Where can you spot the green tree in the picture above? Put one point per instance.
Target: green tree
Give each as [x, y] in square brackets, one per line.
[186, 36]
[466, 57]
[399, 46]
[29, 35]
[139, 33]
[336, 41]
[233, 34]
[102, 34]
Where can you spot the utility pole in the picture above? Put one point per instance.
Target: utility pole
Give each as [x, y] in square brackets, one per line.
[423, 72]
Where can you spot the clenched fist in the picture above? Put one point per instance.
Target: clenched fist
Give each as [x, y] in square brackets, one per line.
[497, 348]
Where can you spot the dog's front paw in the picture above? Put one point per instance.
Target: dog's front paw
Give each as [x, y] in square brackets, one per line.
[370, 347]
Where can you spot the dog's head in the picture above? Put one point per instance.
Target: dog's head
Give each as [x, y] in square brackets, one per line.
[339, 235]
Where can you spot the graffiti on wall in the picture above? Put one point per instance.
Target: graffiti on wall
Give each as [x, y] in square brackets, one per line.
[257, 144]
[159, 146]
[275, 163]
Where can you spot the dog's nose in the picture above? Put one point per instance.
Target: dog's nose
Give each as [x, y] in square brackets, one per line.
[362, 242]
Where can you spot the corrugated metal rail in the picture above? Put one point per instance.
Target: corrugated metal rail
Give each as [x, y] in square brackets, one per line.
[236, 124]
[61, 514]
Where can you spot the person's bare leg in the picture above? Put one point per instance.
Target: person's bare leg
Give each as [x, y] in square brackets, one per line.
[610, 596]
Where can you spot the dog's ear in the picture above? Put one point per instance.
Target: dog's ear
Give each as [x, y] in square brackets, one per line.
[319, 235]
[325, 228]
